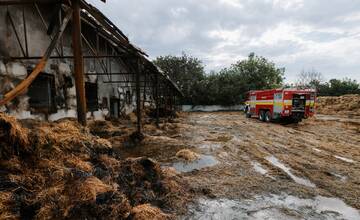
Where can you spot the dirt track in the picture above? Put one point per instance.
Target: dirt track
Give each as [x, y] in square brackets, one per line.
[313, 164]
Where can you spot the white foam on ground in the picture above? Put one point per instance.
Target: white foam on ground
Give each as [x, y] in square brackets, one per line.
[26, 115]
[258, 168]
[63, 114]
[279, 207]
[274, 161]
[341, 177]
[345, 159]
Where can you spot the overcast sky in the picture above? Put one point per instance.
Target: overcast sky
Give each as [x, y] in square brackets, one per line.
[295, 34]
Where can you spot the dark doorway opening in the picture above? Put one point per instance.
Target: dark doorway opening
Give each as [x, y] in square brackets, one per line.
[42, 94]
[91, 93]
[115, 107]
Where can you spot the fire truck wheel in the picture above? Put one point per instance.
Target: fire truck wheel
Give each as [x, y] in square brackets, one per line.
[268, 116]
[262, 115]
[247, 112]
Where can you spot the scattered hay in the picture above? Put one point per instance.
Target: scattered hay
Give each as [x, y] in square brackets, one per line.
[132, 117]
[6, 201]
[88, 190]
[187, 155]
[77, 163]
[70, 174]
[221, 138]
[13, 137]
[146, 211]
[152, 130]
[144, 182]
[109, 162]
[106, 129]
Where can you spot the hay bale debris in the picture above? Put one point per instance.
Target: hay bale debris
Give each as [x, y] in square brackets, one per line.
[63, 171]
[187, 155]
[342, 105]
[146, 211]
[13, 137]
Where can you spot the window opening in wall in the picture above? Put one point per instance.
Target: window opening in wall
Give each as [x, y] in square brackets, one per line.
[104, 103]
[114, 107]
[91, 93]
[42, 94]
[128, 97]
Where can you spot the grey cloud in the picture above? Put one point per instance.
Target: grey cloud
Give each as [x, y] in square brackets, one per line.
[296, 34]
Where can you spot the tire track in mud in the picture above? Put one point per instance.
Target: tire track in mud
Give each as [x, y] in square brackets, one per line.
[313, 167]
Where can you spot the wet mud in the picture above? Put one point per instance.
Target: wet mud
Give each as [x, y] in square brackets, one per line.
[314, 166]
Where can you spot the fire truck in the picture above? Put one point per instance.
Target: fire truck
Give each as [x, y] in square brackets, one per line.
[291, 104]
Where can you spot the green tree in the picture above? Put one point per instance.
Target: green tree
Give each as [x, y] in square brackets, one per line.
[336, 87]
[186, 71]
[253, 73]
[226, 87]
[259, 73]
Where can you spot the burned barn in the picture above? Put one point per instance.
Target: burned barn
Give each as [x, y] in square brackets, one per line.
[63, 58]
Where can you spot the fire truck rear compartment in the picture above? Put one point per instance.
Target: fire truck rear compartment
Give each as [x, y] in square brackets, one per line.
[298, 107]
[298, 103]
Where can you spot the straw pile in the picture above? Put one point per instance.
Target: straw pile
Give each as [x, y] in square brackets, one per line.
[106, 129]
[187, 155]
[342, 105]
[61, 171]
[13, 138]
[146, 211]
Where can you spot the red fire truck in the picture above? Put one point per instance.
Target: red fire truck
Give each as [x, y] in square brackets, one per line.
[292, 104]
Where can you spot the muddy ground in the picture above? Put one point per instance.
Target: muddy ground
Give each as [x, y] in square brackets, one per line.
[250, 169]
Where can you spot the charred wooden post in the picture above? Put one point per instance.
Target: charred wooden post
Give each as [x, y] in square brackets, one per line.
[138, 97]
[78, 63]
[25, 32]
[157, 98]
[144, 91]
[172, 104]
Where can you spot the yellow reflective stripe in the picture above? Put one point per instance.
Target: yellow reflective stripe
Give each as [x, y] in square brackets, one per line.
[287, 102]
[278, 104]
[310, 103]
[264, 103]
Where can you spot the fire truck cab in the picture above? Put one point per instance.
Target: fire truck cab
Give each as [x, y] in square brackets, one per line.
[292, 104]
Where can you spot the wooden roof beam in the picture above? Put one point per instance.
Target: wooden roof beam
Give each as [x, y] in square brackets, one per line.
[22, 2]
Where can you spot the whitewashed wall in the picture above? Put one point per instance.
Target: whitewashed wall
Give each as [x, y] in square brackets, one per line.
[211, 108]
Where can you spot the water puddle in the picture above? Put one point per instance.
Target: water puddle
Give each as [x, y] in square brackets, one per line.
[258, 168]
[274, 161]
[279, 207]
[345, 159]
[202, 162]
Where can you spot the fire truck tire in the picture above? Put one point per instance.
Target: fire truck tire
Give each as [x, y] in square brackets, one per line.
[268, 116]
[262, 115]
[247, 112]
